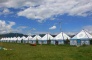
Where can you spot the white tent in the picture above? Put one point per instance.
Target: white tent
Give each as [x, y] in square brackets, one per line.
[59, 39]
[11, 39]
[14, 39]
[8, 39]
[36, 38]
[45, 38]
[2, 39]
[83, 35]
[81, 38]
[19, 39]
[29, 39]
[62, 36]
[25, 39]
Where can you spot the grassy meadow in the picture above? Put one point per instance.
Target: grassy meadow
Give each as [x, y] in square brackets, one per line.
[45, 52]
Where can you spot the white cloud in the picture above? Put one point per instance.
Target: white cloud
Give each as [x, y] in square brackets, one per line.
[5, 11]
[88, 28]
[41, 32]
[51, 8]
[44, 9]
[18, 3]
[71, 33]
[6, 27]
[53, 27]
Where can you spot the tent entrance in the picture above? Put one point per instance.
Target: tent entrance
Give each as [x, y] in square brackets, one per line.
[48, 41]
[36, 41]
[56, 42]
[78, 42]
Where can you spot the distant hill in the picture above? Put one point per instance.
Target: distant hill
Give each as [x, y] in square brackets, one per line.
[71, 36]
[20, 35]
[12, 35]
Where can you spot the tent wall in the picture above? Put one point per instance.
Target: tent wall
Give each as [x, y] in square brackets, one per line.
[52, 41]
[33, 41]
[73, 42]
[42, 41]
[18, 41]
[82, 42]
[39, 42]
[25, 41]
[60, 41]
[86, 42]
[30, 41]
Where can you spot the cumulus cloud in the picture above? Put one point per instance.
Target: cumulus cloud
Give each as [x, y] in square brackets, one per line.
[88, 28]
[52, 28]
[44, 9]
[6, 27]
[51, 8]
[5, 11]
[71, 33]
[18, 3]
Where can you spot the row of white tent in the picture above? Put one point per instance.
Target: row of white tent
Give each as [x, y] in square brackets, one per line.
[81, 38]
[41, 40]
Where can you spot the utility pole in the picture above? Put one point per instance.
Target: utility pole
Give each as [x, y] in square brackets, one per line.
[61, 30]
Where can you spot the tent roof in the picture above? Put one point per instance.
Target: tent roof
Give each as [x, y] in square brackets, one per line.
[62, 36]
[30, 36]
[82, 35]
[37, 37]
[47, 37]
[23, 37]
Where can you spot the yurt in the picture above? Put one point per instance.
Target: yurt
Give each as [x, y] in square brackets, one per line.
[8, 39]
[19, 39]
[46, 39]
[36, 39]
[60, 38]
[1, 39]
[14, 39]
[30, 39]
[11, 39]
[25, 39]
[83, 37]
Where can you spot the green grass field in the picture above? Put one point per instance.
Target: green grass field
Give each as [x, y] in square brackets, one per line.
[45, 52]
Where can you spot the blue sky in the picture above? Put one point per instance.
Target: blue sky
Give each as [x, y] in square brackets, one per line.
[34, 17]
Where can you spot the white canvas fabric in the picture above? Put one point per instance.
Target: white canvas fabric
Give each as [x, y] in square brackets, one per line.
[37, 37]
[24, 38]
[47, 37]
[14, 38]
[83, 35]
[62, 36]
[29, 37]
[19, 38]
